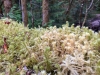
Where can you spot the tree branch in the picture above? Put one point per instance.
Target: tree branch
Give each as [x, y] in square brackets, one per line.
[69, 7]
[87, 9]
[90, 5]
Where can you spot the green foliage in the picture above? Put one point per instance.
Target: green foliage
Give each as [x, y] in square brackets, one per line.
[57, 12]
[15, 13]
[57, 15]
[98, 7]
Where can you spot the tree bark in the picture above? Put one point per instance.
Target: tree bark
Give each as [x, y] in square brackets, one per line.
[24, 13]
[45, 12]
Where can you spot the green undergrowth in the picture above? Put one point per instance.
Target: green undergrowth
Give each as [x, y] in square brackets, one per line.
[48, 51]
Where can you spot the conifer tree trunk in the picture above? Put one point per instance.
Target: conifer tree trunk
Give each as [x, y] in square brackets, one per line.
[45, 12]
[24, 13]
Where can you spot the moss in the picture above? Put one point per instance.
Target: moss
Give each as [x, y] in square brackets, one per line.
[44, 48]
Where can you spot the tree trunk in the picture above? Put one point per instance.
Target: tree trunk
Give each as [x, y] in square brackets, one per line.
[24, 13]
[45, 12]
[7, 6]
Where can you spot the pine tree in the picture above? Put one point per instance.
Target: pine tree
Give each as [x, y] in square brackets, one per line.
[45, 12]
[24, 12]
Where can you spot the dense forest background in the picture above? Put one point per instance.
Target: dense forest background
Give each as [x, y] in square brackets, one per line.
[35, 13]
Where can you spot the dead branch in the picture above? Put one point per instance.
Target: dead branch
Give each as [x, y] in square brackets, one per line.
[87, 9]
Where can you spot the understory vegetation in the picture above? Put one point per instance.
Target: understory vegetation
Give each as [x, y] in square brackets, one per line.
[48, 51]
